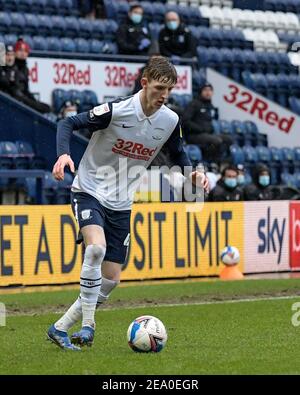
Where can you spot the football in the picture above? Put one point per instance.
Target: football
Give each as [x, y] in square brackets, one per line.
[230, 256]
[147, 334]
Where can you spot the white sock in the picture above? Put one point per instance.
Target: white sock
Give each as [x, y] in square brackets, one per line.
[74, 313]
[70, 317]
[90, 281]
[106, 288]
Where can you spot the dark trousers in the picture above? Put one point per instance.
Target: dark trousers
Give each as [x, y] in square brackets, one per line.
[35, 104]
[215, 147]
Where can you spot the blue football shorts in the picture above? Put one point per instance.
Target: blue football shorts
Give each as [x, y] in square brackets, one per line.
[116, 224]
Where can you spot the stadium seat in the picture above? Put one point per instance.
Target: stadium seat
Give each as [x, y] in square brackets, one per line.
[24, 5]
[10, 39]
[159, 12]
[67, 45]
[90, 100]
[111, 28]
[5, 22]
[67, 8]
[24, 149]
[148, 11]
[294, 104]
[58, 26]
[63, 190]
[38, 6]
[52, 7]
[264, 154]
[31, 24]
[98, 29]
[8, 149]
[276, 154]
[72, 27]
[225, 127]
[45, 25]
[297, 154]
[85, 28]
[297, 179]
[82, 45]
[287, 154]
[110, 9]
[54, 44]
[40, 43]
[194, 153]
[59, 96]
[251, 156]
[76, 96]
[17, 23]
[288, 180]
[237, 154]
[96, 46]
[109, 47]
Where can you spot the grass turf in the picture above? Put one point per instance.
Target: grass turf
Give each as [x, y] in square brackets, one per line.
[254, 337]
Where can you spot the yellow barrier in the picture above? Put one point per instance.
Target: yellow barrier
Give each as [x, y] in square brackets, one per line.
[169, 241]
[37, 243]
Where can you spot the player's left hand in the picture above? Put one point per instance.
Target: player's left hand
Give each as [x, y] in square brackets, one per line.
[200, 179]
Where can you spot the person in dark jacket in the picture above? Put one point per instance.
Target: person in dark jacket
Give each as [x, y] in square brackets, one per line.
[133, 37]
[8, 77]
[261, 188]
[176, 40]
[22, 50]
[198, 125]
[227, 189]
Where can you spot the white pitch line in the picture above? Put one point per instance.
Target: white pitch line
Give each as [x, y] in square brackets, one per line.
[149, 305]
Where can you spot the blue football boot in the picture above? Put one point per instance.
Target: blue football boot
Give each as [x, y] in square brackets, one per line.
[84, 337]
[61, 339]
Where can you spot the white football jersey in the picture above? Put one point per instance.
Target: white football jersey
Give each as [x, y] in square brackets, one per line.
[124, 143]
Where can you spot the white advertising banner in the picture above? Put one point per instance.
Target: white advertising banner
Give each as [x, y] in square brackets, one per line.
[235, 101]
[266, 237]
[107, 79]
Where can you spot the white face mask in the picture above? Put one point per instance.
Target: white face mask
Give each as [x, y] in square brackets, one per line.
[70, 114]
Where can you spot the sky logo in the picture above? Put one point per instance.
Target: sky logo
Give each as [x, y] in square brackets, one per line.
[271, 234]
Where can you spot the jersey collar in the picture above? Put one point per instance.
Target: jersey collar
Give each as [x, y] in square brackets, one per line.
[139, 110]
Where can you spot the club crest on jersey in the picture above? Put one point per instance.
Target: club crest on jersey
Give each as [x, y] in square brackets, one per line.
[86, 214]
[100, 110]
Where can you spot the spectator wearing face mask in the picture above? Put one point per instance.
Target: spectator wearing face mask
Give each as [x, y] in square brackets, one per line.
[69, 109]
[227, 189]
[197, 123]
[261, 188]
[133, 36]
[175, 39]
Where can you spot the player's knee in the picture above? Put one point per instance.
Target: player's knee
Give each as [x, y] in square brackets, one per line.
[95, 253]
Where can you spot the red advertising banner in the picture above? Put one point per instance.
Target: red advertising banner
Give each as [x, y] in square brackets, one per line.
[295, 235]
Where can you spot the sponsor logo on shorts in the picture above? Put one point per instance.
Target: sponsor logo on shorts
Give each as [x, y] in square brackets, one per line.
[86, 214]
[133, 150]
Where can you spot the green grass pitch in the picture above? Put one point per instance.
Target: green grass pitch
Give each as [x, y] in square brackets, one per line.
[215, 337]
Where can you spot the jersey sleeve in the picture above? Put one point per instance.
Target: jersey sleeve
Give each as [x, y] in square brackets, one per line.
[98, 118]
[176, 148]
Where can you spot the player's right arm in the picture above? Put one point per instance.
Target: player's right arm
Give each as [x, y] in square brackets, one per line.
[96, 119]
